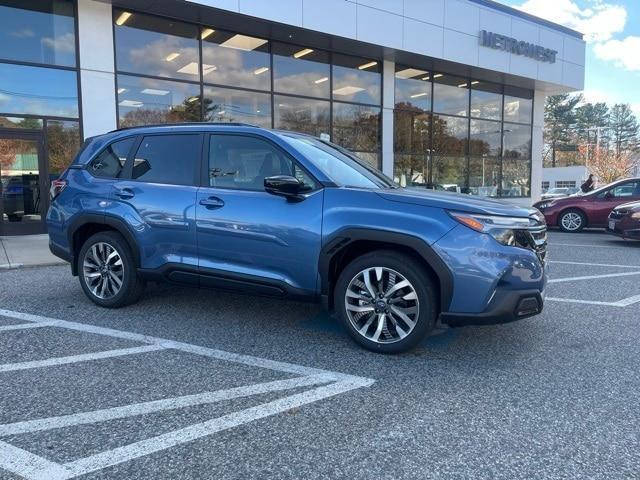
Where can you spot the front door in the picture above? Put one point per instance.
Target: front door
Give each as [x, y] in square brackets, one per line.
[24, 184]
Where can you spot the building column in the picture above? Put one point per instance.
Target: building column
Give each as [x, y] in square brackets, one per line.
[97, 70]
[537, 145]
[388, 102]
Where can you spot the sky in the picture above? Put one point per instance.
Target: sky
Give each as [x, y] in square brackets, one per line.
[612, 31]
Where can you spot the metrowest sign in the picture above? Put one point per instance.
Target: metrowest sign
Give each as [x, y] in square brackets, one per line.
[518, 47]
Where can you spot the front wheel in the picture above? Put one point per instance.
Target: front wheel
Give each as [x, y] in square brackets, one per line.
[572, 221]
[386, 301]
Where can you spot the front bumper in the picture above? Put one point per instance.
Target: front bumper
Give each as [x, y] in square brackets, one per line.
[506, 306]
[624, 228]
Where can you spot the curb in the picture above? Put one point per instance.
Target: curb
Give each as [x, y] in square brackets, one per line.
[17, 266]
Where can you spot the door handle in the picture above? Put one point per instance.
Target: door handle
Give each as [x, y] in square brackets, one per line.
[125, 193]
[212, 203]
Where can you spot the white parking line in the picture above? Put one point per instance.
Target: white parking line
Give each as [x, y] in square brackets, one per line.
[26, 326]
[592, 277]
[85, 357]
[594, 264]
[555, 244]
[627, 302]
[28, 465]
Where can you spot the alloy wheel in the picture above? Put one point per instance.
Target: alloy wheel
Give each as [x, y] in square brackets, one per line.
[571, 221]
[382, 305]
[103, 270]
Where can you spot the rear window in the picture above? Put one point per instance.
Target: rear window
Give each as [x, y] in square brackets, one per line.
[169, 159]
[110, 162]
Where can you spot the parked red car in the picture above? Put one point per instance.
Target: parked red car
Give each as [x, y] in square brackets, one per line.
[624, 221]
[592, 209]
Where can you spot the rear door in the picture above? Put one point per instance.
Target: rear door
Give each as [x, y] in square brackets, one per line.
[157, 199]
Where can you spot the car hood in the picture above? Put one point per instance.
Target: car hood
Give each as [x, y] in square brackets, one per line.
[631, 206]
[455, 202]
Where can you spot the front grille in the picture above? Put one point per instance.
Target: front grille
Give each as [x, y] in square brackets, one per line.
[535, 237]
[618, 214]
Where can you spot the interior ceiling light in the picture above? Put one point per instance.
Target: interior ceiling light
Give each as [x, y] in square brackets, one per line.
[131, 103]
[221, 112]
[438, 75]
[367, 65]
[321, 80]
[192, 69]
[206, 33]
[122, 19]
[426, 78]
[260, 70]
[122, 90]
[172, 56]
[462, 85]
[417, 95]
[348, 90]
[303, 52]
[410, 73]
[153, 91]
[475, 82]
[243, 42]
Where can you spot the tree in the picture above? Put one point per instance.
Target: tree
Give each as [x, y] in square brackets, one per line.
[608, 165]
[592, 120]
[624, 129]
[560, 122]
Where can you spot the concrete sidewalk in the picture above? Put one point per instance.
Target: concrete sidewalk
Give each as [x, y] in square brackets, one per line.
[26, 251]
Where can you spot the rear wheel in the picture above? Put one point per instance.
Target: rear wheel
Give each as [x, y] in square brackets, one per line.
[386, 302]
[572, 221]
[107, 271]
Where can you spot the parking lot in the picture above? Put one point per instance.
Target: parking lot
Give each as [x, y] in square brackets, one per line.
[204, 384]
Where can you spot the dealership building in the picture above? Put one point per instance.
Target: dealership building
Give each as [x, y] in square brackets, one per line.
[435, 93]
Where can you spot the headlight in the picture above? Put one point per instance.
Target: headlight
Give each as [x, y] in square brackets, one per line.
[543, 205]
[635, 215]
[503, 229]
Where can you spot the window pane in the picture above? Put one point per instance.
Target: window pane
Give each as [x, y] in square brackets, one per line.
[484, 175]
[356, 127]
[300, 70]
[239, 60]
[411, 170]
[228, 105]
[146, 101]
[486, 100]
[517, 141]
[17, 122]
[450, 95]
[301, 115]
[38, 31]
[411, 131]
[157, 46]
[110, 163]
[451, 173]
[485, 138]
[516, 178]
[373, 159]
[38, 91]
[413, 89]
[450, 135]
[518, 109]
[356, 79]
[170, 159]
[63, 142]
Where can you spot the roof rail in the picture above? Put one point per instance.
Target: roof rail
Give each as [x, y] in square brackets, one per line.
[182, 124]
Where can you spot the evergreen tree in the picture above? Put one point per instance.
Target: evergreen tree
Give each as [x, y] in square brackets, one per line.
[624, 129]
[560, 122]
[592, 120]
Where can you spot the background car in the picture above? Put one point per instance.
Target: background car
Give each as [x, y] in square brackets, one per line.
[555, 193]
[574, 213]
[624, 221]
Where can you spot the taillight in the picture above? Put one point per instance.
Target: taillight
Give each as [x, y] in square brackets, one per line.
[57, 186]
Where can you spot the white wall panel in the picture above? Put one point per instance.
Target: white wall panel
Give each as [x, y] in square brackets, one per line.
[379, 27]
[393, 6]
[283, 11]
[574, 50]
[462, 16]
[430, 11]
[423, 38]
[341, 22]
[460, 47]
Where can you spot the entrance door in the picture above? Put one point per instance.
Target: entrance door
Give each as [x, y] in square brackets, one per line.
[23, 183]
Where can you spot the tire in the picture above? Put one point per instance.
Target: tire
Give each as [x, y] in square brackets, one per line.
[417, 301]
[99, 279]
[572, 221]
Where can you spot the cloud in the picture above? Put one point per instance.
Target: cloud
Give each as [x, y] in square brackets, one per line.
[24, 33]
[623, 53]
[599, 21]
[64, 44]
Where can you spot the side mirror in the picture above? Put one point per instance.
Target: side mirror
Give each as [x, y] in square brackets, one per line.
[284, 186]
[608, 195]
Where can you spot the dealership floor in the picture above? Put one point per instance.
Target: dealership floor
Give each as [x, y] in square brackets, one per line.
[202, 384]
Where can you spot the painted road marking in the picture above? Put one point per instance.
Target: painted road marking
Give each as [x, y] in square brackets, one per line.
[25, 326]
[627, 302]
[594, 264]
[592, 277]
[554, 244]
[34, 467]
[85, 357]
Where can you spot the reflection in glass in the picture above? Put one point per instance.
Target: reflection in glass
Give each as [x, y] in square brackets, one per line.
[356, 127]
[240, 61]
[20, 176]
[301, 71]
[518, 109]
[145, 101]
[450, 135]
[38, 91]
[411, 170]
[412, 89]
[156, 46]
[371, 158]
[302, 115]
[18, 122]
[411, 131]
[516, 176]
[63, 143]
[451, 173]
[517, 141]
[40, 31]
[486, 100]
[356, 79]
[451, 95]
[229, 105]
[485, 138]
[484, 175]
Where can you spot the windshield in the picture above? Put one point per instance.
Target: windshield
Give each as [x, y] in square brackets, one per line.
[340, 165]
[558, 190]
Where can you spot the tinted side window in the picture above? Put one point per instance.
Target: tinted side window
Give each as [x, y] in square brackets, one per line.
[110, 163]
[243, 163]
[170, 159]
[630, 189]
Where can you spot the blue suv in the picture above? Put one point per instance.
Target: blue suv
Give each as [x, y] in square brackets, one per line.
[242, 208]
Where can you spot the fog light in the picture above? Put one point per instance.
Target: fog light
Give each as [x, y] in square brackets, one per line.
[527, 306]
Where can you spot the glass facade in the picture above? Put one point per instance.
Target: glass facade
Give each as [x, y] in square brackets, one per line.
[461, 134]
[170, 71]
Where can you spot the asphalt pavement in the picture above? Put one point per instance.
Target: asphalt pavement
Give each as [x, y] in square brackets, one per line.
[203, 384]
